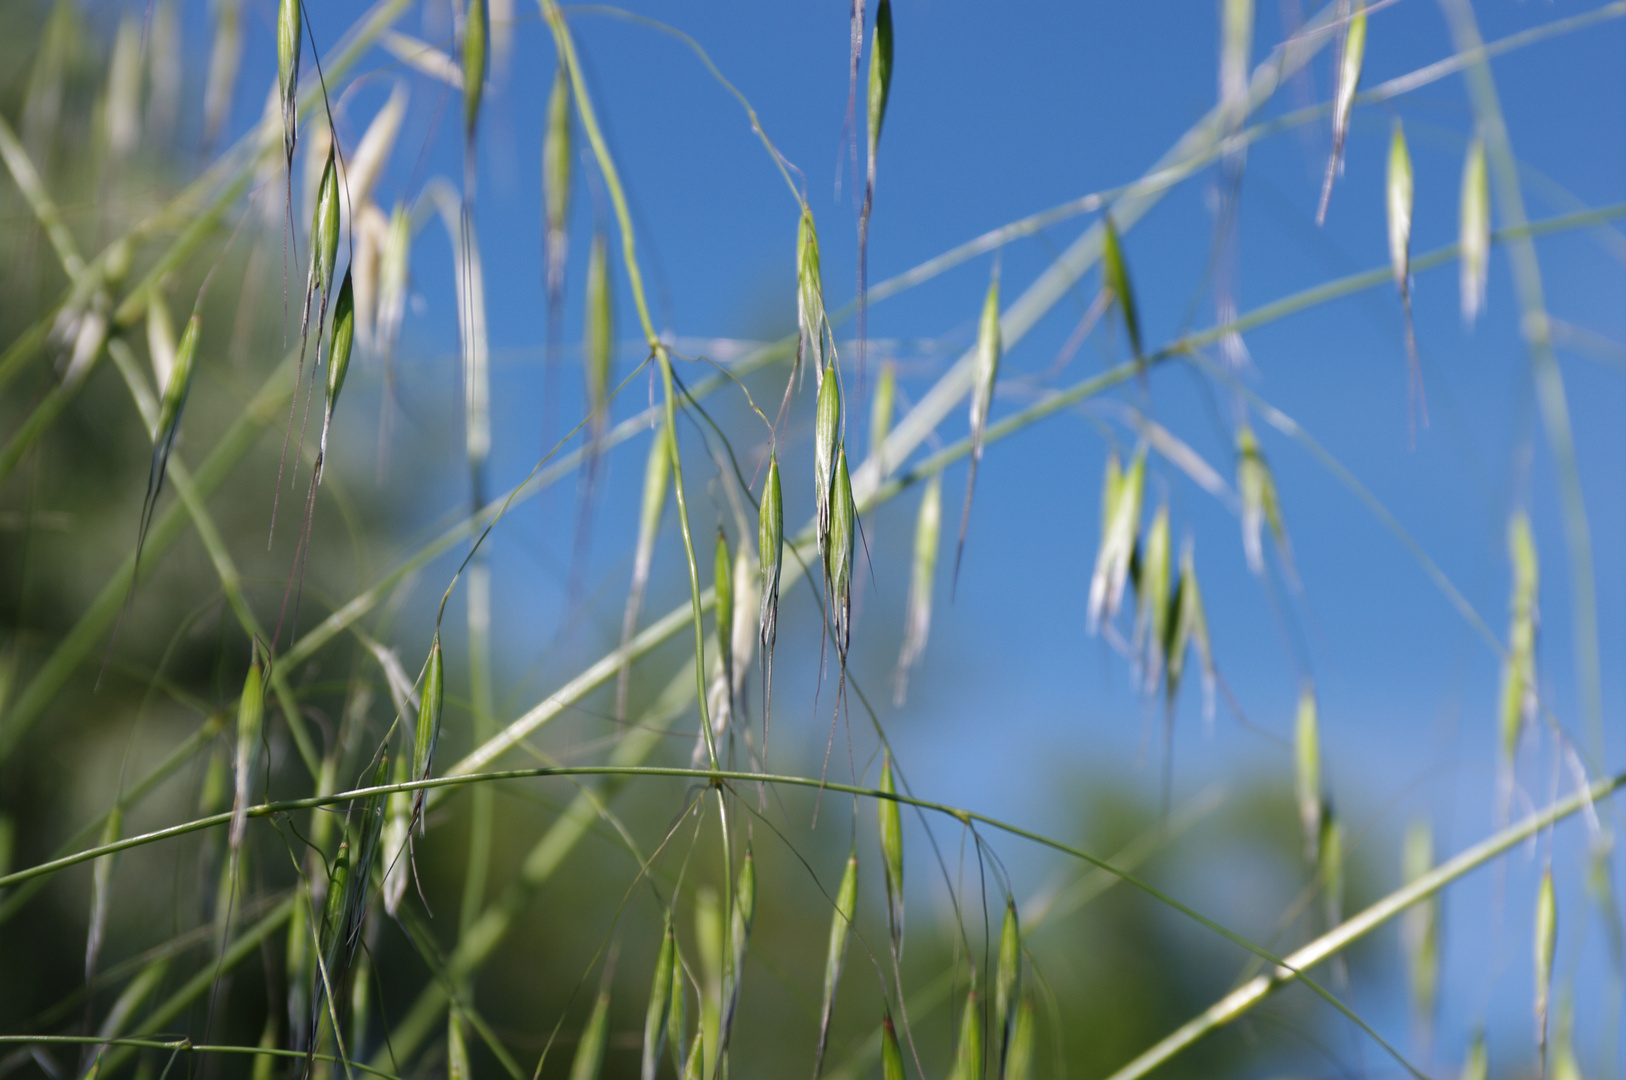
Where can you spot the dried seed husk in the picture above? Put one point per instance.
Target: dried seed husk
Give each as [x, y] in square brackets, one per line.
[880, 77]
[1115, 278]
[474, 64]
[338, 359]
[880, 413]
[1349, 77]
[657, 478]
[1019, 1058]
[660, 995]
[1546, 939]
[250, 717]
[1399, 190]
[968, 1050]
[841, 924]
[891, 1052]
[589, 1058]
[1473, 235]
[1419, 926]
[1008, 981]
[922, 578]
[889, 822]
[457, 1051]
[1152, 591]
[842, 550]
[984, 373]
[363, 166]
[1117, 542]
[1307, 770]
[810, 318]
[1518, 705]
[826, 432]
[288, 49]
[1259, 500]
[770, 552]
[599, 331]
[556, 162]
[427, 733]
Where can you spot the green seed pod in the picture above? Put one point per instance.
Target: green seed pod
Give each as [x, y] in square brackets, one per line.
[474, 64]
[1399, 189]
[891, 1053]
[723, 589]
[250, 715]
[599, 330]
[180, 381]
[968, 1051]
[428, 731]
[922, 577]
[889, 820]
[1307, 770]
[1419, 926]
[589, 1058]
[660, 995]
[880, 75]
[1473, 235]
[841, 924]
[810, 320]
[288, 48]
[1008, 982]
[842, 549]
[880, 412]
[770, 554]
[556, 162]
[1187, 625]
[325, 229]
[1546, 939]
[1019, 1058]
[457, 1051]
[1115, 278]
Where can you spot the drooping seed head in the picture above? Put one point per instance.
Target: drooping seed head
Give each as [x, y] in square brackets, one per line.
[1307, 769]
[770, 548]
[1349, 71]
[985, 369]
[1399, 190]
[1115, 277]
[474, 64]
[1111, 484]
[1473, 236]
[880, 74]
[288, 49]
[160, 340]
[890, 826]
[826, 431]
[745, 910]
[1188, 625]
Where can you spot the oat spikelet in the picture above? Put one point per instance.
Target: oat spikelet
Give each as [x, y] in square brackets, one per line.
[556, 172]
[250, 718]
[841, 924]
[288, 50]
[1260, 505]
[1007, 982]
[810, 317]
[1400, 190]
[842, 552]
[1473, 235]
[922, 577]
[1307, 770]
[1019, 1059]
[968, 1050]
[427, 734]
[475, 47]
[984, 373]
[770, 552]
[881, 409]
[1546, 939]
[1120, 526]
[1115, 279]
[338, 361]
[891, 1052]
[1349, 77]
[1187, 626]
[660, 1002]
[1420, 928]
[1518, 703]
[889, 822]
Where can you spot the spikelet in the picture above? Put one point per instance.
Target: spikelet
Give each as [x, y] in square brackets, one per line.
[427, 733]
[739, 938]
[984, 373]
[122, 108]
[744, 624]
[657, 478]
[556, 162]
[364, 165]
[922, 574]
[163, 49]
[1330, 858]
[810, 319]
[841, 553]
[250, 718]
[1419, 926]
[891, 1052]
[841, 924]
[1008, 982]
[599, 334]
[880, 78]
[1188, 625]
[968, 1050]
[1477, 1065]
[826, 432]
[1473, 235]
[474, 65]
[880, 415]
[1518, 704]
[1120, 527]
[397, 834]
[770, 549]
[660, 1002]
[1400, 197]
[1115, 279]
[160, 339]
[338, 360]
[1307, 770]
[1349, 77]
[589, 1058]
[1019, 1059]
[889, 822]
[1546, 939]
[393, 268]
[1260, 505]
[225, 56]
[1152, 591]
[288, 50]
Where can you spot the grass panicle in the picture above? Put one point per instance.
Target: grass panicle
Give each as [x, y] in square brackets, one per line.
[1400, 192]
[1518, 701]
[1307, 789]
[1546, 942]
[660, 1003]
[984, 373]
[1115, 280]
[1007, 982]
[556, 173]
[917, 623]
[841, 926]
[1120, 528]
[1420, 928]
[657, 481]
[1349, 78]
[427, 733]
[968, 1048]
[1473, 231]
[338, 360]
[889, 825]
[250, 718]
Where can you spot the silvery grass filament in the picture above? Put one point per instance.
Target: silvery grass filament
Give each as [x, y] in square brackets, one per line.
[1400, 196]
[881, 408]
[1546, 938]
[1473, 231]
[1518, 704]
[250, 716]
[589, 1059]
[1419, 927]
[889, 825]
[841, 924]
[1121, 526]
[427, 733]
[984, 373]
[1307, 789]
[1260, 505]
[338, 361]
[1008, 982]
[968, 1050]
[922, 577]
[288, 50]
[556, 171]
[225, 56]
[660, 994]
[657, 479]
[1349, 77]
[770, 552]
[1115, 279]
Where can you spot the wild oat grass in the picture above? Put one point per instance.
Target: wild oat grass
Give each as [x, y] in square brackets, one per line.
[339, 905]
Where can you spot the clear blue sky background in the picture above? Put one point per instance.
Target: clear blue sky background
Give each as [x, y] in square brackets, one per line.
[1001, 110]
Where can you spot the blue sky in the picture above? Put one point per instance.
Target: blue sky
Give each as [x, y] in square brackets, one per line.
[999, 111]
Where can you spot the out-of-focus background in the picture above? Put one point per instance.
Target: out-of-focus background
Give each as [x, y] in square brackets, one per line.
[1393, 605]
